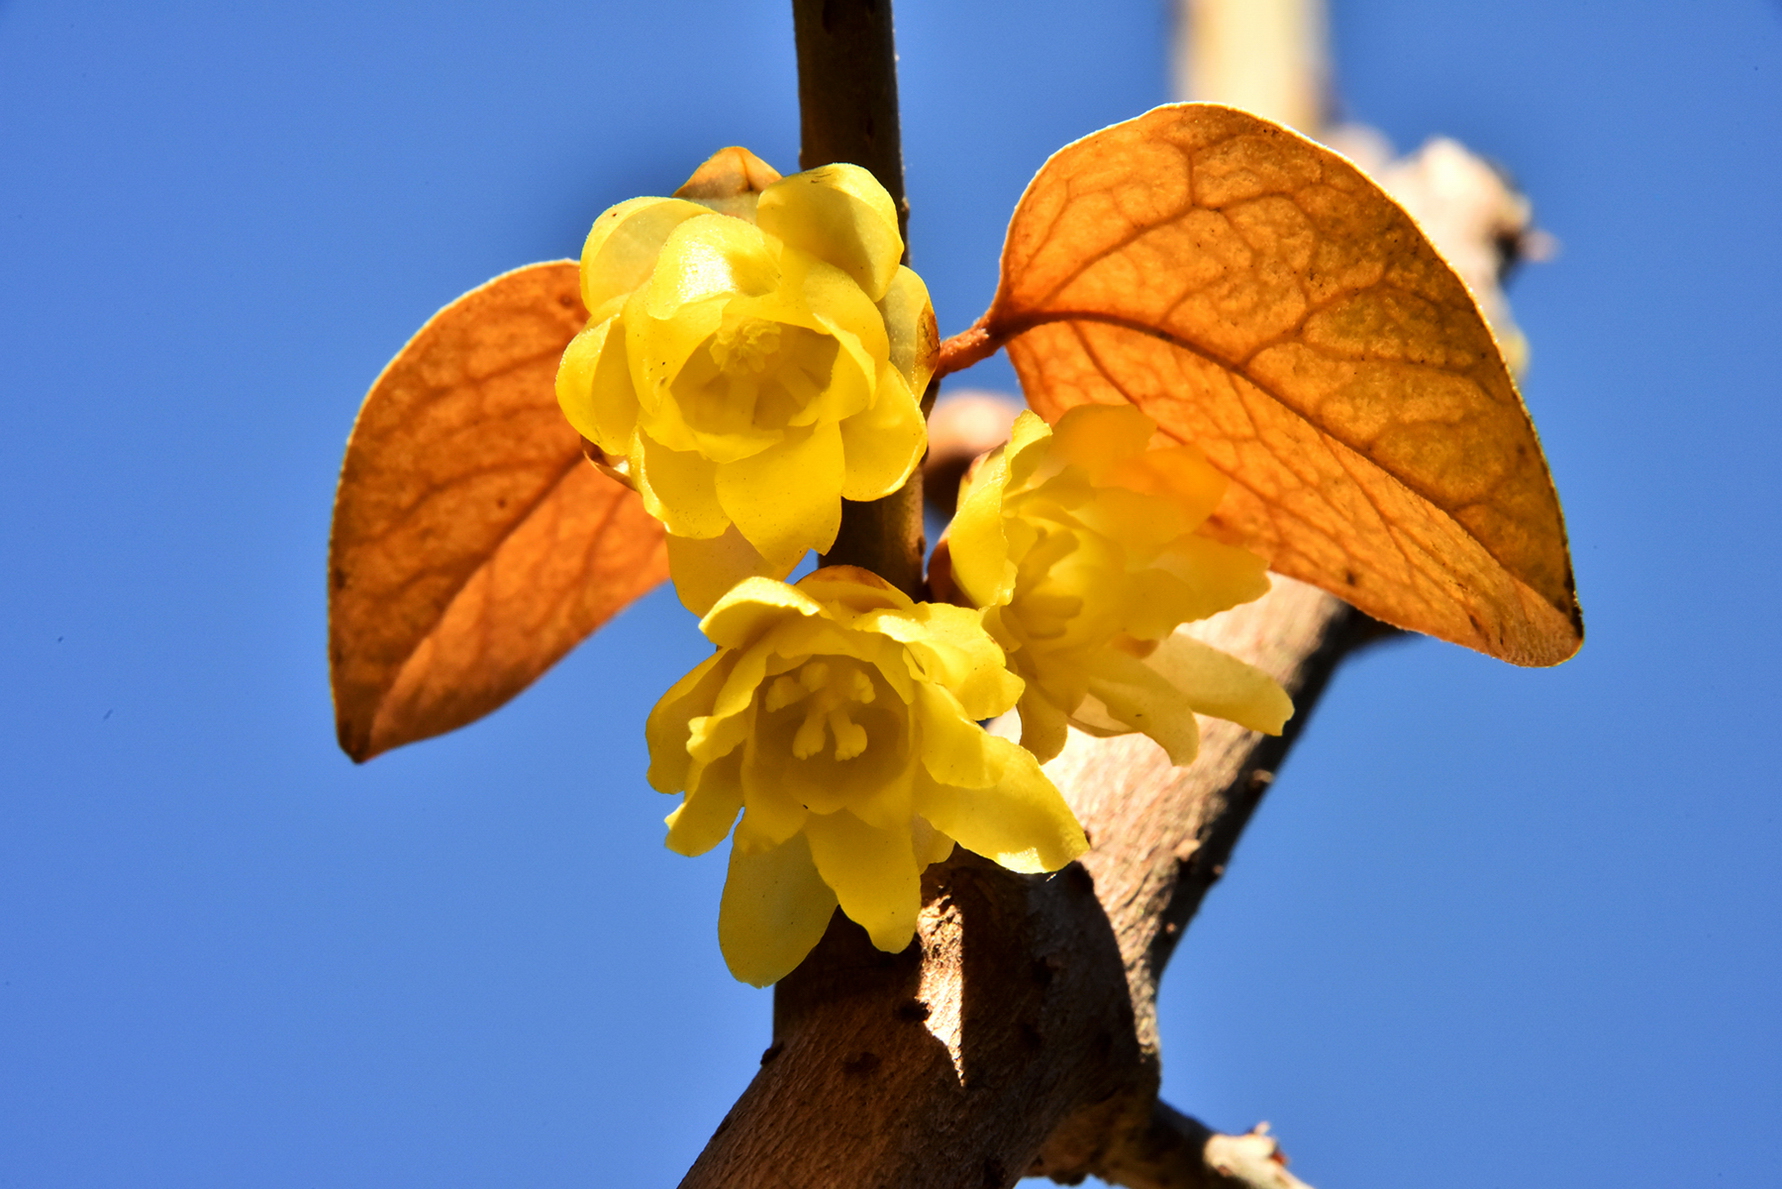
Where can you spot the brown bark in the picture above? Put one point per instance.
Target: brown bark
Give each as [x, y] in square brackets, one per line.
[847, 90]
[847, 102]
[1169, 1150]
[1018, 1035]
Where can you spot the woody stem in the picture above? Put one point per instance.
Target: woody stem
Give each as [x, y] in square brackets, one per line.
[847, 99]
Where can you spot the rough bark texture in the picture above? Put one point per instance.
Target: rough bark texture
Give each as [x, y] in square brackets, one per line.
[1018, 1035]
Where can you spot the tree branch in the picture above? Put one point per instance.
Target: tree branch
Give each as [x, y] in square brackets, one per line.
[847, 102]
[1270, 57]
[847, 91]
[1019, 1034]
[1168, 1150]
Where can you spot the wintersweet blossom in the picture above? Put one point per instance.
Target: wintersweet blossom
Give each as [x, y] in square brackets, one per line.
[841, 720]
[754, 354]
[1080, 544]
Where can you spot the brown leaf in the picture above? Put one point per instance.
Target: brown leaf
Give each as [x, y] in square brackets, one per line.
[1261, 298]
[473, 545]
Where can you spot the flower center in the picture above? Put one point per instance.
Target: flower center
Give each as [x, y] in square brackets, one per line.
[745, 347]
[828, 696]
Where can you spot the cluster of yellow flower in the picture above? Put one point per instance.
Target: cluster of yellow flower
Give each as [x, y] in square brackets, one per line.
[752, 358]
[755, 354]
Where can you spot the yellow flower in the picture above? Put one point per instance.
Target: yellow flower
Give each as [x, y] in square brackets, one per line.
[1080, 544]
[841, 719]
[754, 355]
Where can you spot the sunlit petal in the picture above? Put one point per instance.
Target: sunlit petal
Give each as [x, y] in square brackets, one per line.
[774, 911]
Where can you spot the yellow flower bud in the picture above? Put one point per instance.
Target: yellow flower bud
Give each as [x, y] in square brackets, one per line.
[1080, 543]
[754, 355]
[841, 720]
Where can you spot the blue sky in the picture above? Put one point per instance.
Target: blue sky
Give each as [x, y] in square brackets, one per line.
[1489, 920]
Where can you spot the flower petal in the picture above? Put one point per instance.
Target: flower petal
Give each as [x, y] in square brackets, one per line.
[774, 911]
[594, 386]
[1025, 450]
[1215, 576]
[773, 812]
[835, 301]
[707, 256]
[977, 546]
[1092, 718]
[1181, 473]
[888, 805]
[953, 650]
[851, 587]
[707, 813]
[705, 570]
[787, 499]
[1219, 684]
[1044, 728]
[769, 816]
[679, 488]
[666, 729]
[657, 350]
[1096, 437]
[909, 323]
[754, 605]
[883, 443]
[730, 182]
[622, 247]
[1143, 700]
[841, 214]
[873, 873]
[737, 695]
[853, 374]
[931, 846]
[955, 750]
[1140, 522]
[1021, 822]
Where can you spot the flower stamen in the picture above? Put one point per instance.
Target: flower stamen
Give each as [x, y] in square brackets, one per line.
[826, 712]
[850, 736]
[743, 349]
[809, 740]
[783, 692]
